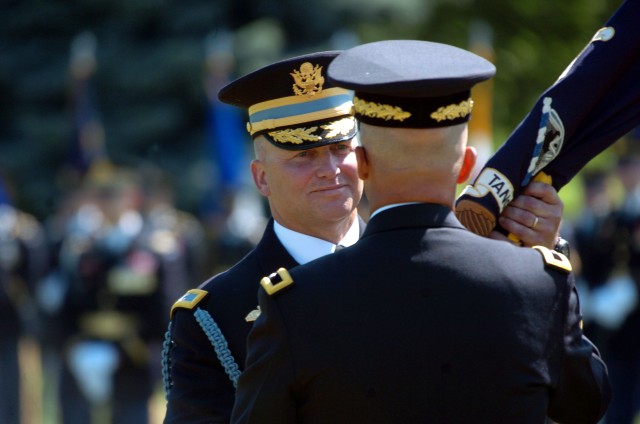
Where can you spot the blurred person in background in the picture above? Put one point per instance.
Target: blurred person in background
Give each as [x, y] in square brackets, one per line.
[606, 236]
[23, 261]
[592, 239]
[621, 314]
[124, 253]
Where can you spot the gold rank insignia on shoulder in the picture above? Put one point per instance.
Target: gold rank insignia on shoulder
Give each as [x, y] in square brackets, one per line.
[189, 300]
[253, 315]
[554, 259]
[276, 282]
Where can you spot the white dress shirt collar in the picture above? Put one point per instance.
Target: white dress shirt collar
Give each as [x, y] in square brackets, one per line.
[304, 248]
[393, 205]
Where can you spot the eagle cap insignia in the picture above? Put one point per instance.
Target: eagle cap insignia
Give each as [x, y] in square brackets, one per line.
[308, 80]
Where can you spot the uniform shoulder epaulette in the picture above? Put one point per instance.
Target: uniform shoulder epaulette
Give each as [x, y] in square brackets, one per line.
[277, 281]
[189, 300]
[554, 259]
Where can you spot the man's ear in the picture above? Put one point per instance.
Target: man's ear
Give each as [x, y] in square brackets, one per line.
[468, 163]
[260, 177]
[363, 163]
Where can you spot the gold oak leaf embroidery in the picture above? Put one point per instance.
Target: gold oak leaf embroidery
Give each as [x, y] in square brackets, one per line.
[378, 110]
[295, 135]
[451, 112]
[341, 127]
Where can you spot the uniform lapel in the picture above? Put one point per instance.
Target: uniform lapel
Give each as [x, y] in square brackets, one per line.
[271, 253]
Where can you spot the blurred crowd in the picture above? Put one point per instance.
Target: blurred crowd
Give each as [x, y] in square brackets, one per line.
[86, 292]
[605, 241]
[90, 288]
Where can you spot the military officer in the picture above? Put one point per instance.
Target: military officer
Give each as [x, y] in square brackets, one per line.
[305, 165]
[403, 327]
[116, 259]
[303, 130]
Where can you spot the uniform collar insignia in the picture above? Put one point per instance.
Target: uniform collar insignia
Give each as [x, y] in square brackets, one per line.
[253, 315]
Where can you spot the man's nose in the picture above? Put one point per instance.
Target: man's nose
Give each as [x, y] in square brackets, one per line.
[329, 165]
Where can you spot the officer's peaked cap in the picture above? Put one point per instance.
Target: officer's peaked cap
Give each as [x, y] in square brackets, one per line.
[410, 83]
[293, 104]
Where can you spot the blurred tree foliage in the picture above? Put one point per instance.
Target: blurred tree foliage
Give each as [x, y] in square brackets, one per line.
[150, 56]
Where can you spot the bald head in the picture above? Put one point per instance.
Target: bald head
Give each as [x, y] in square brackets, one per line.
[414, 164]
[415, 149]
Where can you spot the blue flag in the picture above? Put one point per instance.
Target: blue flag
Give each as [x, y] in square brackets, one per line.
[226, 143]
[593, 104]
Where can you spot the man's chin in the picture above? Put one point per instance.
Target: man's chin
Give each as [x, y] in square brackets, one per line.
[336, 212]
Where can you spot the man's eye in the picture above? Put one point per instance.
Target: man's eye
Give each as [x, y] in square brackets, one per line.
[302, 154]
[342, 148]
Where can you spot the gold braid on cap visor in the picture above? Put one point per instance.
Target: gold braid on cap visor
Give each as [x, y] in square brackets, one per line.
[300, 135]
[294, 110]
[388, 112]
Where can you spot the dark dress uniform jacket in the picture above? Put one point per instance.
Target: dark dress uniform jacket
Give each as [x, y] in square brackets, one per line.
[422, 322]
[200, 390]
